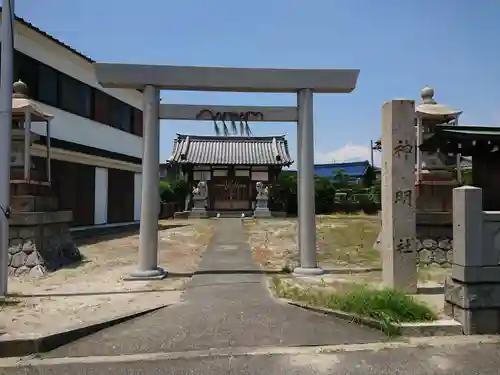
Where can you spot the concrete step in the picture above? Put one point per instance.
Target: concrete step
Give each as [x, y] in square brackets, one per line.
[232, 214]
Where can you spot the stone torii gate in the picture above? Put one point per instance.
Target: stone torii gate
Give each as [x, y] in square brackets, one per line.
[153, 78]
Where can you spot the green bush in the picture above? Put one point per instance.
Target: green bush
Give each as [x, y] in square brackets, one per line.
[165, 191]
[331, 195]
[324, 195]
[174, 192]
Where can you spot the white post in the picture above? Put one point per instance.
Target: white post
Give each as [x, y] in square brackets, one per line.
[148, 235]
[27, 146]
[307, 210]
[6, 82]
[299, 153]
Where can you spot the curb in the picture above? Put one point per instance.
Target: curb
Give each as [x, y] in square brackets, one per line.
[441, 327]
[17, 346]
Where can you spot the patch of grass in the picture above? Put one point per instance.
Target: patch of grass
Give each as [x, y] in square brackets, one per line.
[344, 240]
[387, 306]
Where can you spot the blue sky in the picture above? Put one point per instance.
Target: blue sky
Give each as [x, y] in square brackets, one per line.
[400, 46]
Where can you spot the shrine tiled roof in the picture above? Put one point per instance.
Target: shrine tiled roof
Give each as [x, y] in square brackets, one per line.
[230, 150]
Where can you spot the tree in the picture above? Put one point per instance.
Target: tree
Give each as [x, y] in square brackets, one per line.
[341, 179]
[369, 177]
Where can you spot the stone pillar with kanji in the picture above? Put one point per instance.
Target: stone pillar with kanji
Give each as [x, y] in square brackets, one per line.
[398, 242]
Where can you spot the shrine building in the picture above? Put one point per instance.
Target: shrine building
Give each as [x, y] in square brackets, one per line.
[230, 165]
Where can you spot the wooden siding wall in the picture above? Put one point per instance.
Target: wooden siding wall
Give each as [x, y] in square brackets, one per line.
[74, 185]
[120, 196]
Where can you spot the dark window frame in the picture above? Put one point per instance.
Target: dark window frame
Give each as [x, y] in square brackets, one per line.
[75, 96]
[122, 116]
[42, 94]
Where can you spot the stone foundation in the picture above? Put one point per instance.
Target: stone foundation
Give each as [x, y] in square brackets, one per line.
[434, 250]
[39, 242]
[476, 306]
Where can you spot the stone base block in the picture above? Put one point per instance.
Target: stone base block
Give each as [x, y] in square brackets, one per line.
[32, 203]
[154, 274]
[35, 250]
[31, 188]
[472, 296]
[181, 215]
[475, 306]
[18, 174]
[198, 213]
[435, 197]
[262, 213]
[308, 271]
[475, 322]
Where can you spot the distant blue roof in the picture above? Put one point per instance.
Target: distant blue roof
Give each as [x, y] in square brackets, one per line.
[354, 169]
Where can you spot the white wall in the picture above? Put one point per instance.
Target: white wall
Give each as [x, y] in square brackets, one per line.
[67, 126]
[101, 196]
[137, 195]
[72, 128]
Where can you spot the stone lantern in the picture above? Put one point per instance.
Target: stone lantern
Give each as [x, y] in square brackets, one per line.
[39, 236]
[24, 112]
[434, 179]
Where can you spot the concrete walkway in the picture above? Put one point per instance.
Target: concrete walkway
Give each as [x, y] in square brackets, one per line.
[221, 311]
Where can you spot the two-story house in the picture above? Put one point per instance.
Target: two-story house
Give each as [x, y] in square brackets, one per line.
[96, 133]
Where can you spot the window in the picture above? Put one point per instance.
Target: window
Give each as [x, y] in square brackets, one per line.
[124, 114]
[220, 172]
[75, 97]
[201, 175]
[242, 173]
[260, 176]
[121, 114]
[137, 122]
[59, 90]
[47, 85]
[101, 113]
[26, 70]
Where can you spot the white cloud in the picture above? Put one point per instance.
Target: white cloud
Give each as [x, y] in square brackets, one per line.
[349, 152]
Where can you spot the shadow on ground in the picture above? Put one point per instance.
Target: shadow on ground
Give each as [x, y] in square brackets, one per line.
[91, 236]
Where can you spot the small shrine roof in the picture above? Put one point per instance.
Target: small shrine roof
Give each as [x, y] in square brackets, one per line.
[230, 150]
[466, 140]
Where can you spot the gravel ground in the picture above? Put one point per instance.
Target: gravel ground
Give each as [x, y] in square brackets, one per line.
[94, 289]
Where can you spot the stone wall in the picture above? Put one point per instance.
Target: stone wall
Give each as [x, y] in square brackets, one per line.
[40, 242]
[435, 238]
[435, 251]
[434, 245]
